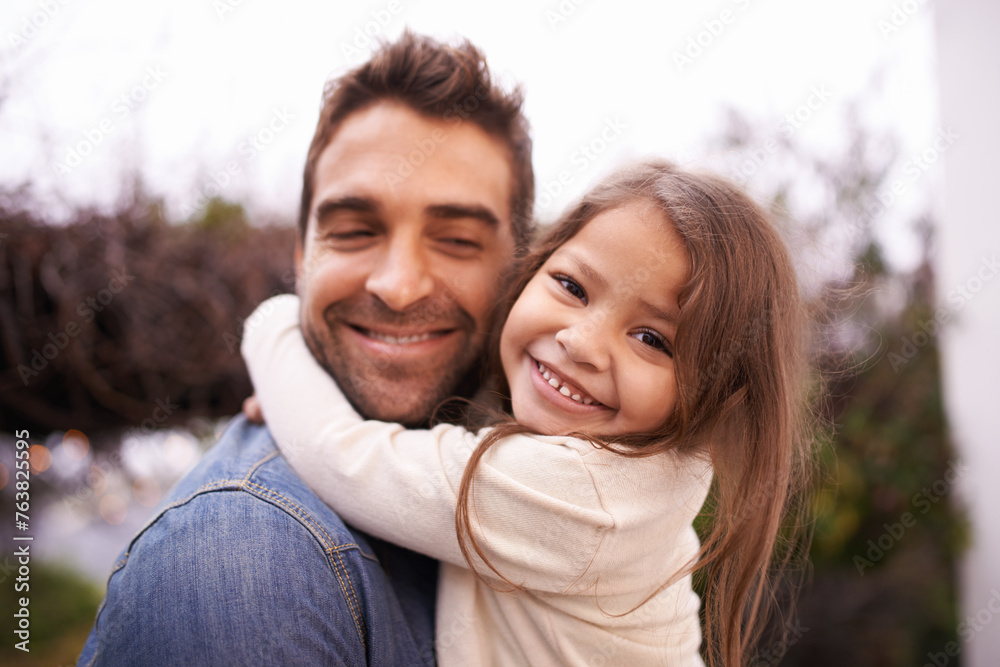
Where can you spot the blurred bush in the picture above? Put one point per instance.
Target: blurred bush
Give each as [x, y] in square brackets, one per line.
[888, 531]
[126, 320]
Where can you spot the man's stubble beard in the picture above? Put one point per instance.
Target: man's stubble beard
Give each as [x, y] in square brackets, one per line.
[391, 391]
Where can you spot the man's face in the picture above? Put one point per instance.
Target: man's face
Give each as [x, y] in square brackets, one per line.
[409, 232]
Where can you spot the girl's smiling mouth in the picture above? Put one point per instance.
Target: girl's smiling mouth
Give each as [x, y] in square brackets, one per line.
[548, 382]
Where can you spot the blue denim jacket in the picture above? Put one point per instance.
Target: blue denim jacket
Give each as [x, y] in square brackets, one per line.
[244, 565]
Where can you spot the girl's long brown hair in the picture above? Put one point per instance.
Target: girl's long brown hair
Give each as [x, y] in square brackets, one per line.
[743, 393]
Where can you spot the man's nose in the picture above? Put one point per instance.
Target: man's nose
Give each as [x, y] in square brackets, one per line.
[588, 341]
[402, 276]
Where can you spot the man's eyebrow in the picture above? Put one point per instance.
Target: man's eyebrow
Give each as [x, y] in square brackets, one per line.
[328, 207]
[457, 211]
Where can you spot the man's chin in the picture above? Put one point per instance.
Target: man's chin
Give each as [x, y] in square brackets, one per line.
[407, 391]
[409, 406]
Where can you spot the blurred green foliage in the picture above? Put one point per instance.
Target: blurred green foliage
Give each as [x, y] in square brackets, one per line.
[223, 218]
[888, 530]
[62, 610]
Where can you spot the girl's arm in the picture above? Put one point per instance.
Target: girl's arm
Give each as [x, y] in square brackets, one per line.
[540, 519]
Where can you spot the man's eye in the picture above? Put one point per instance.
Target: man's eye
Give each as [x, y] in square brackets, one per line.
[571, 286]
[654, 340]
[461, 243]
[349, 235]
[347, 240]
[458, 247]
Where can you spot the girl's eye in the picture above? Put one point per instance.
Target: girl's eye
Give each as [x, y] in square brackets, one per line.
[654, 340]
[572, 287]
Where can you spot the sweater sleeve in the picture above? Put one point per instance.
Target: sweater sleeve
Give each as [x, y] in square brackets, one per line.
[537, 514]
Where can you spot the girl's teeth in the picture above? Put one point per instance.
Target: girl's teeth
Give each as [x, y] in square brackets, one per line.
[557, 384]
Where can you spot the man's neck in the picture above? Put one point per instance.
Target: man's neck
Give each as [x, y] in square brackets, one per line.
[476, 403]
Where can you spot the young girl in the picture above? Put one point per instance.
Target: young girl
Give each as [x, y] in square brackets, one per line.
[654, 339]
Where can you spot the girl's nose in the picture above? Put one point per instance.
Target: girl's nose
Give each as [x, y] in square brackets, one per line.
[587, 342]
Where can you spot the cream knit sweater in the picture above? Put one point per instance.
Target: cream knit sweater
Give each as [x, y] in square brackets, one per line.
[589, 534]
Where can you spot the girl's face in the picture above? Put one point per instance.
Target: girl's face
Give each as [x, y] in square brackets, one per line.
[588, 346]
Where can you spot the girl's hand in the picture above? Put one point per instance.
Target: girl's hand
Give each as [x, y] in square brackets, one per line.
[251, 408]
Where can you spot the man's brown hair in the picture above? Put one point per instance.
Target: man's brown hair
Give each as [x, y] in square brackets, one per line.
[451, 83]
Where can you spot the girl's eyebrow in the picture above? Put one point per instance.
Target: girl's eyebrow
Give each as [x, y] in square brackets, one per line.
[591, 274]
[587, 270]
[670, 317]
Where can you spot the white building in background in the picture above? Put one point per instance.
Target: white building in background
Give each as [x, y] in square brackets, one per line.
[968, 270]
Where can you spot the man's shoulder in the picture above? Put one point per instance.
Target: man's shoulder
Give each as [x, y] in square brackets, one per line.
[241, 450]
[215, 575]
[244, 468]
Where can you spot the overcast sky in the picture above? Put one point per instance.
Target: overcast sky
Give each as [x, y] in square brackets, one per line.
[180, 89]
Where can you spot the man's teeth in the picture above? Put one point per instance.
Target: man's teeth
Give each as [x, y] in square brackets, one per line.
[401, 340]
[555, 382]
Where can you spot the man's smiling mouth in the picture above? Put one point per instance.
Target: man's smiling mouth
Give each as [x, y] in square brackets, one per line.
[402, 338]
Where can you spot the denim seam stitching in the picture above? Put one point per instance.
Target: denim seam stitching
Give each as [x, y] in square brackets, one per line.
[301, 514]
[257, 465]
[237, 485]
[255, 489]
[296, 511]
[352, 602]
[152, 520]
[177, 503]
[292, 505]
